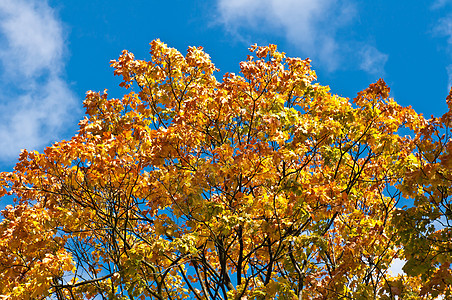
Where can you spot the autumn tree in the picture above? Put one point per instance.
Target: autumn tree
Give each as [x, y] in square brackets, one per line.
[425, 229]
[262, 185]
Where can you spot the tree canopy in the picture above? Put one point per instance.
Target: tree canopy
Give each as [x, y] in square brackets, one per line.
[262, 185]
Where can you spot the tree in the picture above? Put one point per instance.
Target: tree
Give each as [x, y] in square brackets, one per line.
[425, 229]
[262, 185]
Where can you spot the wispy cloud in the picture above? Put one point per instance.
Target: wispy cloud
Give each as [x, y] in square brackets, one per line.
[36, 103]
[315, 27]
[372, 60]
[444, 28]
[440, 3]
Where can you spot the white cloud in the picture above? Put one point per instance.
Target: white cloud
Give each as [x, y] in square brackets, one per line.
[444, 28]
[396, 267]
[372, 60]
[315, 27]
[440, 3]
[449, 77]
[36, 103]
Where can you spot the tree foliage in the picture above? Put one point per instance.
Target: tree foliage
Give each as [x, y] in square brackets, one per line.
[263, 185]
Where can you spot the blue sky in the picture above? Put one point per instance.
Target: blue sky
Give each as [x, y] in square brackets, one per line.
[52, 52]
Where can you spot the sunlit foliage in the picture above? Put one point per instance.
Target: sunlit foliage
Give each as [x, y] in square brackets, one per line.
[262, 185]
